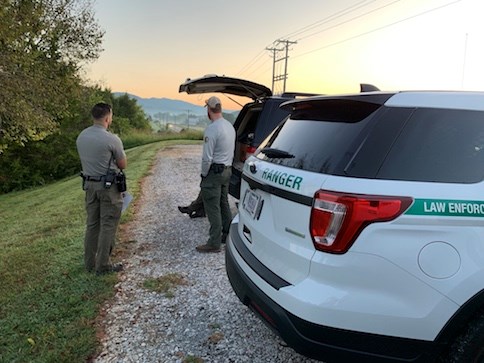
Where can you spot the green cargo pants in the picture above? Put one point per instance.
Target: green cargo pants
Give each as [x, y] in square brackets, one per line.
[103, 207]
[214, 188]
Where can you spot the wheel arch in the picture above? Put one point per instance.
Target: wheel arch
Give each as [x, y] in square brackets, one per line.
[461, 318]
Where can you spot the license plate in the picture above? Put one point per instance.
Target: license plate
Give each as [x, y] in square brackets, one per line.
[252, 203]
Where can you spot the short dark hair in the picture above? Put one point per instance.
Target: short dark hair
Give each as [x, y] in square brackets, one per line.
[101, 110]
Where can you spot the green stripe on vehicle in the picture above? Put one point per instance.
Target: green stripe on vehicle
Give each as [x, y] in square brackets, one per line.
[451, 208]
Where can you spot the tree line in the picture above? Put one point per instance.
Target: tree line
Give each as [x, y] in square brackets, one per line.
[44, 101]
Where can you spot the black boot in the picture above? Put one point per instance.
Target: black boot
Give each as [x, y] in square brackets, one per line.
[185, 210]
[197, 213]
[224, 237]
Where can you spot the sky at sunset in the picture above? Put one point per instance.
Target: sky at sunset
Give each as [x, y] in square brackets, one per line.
[151, 46]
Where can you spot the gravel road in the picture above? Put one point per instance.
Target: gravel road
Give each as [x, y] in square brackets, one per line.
[202, 317]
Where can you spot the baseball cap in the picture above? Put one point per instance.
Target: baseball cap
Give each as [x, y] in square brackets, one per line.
[212, 102]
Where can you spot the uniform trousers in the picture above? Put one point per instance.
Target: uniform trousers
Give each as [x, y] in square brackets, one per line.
[214, 188]
[103, 207]
[197, 204]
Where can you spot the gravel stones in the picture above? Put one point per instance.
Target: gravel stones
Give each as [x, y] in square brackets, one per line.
[201, 320]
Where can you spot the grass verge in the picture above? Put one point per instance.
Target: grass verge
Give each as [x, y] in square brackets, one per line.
[48, 303]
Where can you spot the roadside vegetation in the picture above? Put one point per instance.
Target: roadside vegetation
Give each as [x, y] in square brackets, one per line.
[48, 303]
[44, 45]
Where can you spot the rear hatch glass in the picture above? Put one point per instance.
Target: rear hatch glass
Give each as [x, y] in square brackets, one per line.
[322, 140]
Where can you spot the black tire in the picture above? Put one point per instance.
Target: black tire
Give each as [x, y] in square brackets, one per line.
[469, 347]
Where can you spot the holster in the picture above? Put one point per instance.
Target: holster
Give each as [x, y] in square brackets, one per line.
[83, 180]
[217, 168]
[121, 182]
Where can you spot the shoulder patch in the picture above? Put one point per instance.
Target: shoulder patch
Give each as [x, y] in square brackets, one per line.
[206, 138]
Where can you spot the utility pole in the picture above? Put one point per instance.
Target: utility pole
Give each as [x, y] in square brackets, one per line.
[275, 50]
[274, 57]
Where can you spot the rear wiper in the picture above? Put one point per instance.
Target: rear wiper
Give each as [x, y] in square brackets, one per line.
[276, 153]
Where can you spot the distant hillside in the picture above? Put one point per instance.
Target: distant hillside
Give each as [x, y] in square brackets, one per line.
[165, 105]
[164, 112]
[153, 106]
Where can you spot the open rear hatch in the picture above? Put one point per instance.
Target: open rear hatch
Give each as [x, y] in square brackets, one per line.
[227, 85]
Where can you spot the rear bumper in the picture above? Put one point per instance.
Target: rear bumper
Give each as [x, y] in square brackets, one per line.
[310, 339]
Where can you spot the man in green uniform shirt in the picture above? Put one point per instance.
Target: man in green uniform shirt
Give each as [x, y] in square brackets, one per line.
[101, 154]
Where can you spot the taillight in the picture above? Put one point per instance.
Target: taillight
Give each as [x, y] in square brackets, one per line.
[338, 218]
[248, 151]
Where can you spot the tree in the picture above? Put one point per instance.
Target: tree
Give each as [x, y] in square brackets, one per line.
[43, 44]
[128, 114]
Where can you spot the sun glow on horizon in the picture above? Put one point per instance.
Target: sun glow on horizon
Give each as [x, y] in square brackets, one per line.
[411, 44]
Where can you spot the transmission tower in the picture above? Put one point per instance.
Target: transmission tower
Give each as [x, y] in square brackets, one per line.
[276, 50]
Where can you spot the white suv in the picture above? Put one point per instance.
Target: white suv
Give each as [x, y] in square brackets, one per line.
[360, 233]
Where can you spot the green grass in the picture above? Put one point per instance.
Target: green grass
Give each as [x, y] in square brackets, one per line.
[192, 359]
[137, 138]
[165, 284]
[48, 303]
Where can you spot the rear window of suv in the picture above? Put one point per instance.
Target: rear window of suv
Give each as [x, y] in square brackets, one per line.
[322, 140]
[431, 145]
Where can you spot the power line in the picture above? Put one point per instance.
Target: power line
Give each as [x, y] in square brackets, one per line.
[349, 20]
[259, 67]
[252, 61]
[333, 17]
[330, 18]
[378, 29]
[264, 71]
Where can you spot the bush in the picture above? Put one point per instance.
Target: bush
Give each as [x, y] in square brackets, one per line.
[38, 163]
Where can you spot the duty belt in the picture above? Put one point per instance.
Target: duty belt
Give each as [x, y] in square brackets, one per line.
[92, 178]
[220, 166]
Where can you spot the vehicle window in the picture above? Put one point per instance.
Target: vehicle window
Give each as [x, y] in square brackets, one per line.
[247, 126]
[270, 117]
[388, 125]
[438, 146]
[318, 145]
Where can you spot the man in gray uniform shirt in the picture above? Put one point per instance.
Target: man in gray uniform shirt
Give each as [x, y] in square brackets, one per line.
[218, 153]
[101, 153]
